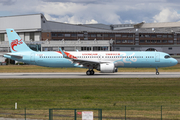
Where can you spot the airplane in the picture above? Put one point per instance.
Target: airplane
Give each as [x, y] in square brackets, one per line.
[105, 62]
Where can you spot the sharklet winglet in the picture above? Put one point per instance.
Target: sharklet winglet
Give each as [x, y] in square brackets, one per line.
[62, 52]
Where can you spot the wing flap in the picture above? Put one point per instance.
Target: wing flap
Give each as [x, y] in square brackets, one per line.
[87, 63]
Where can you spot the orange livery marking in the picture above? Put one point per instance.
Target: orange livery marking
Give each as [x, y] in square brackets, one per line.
[68, 54]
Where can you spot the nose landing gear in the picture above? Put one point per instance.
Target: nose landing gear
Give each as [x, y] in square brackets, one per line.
[157, 73]
[90, 72]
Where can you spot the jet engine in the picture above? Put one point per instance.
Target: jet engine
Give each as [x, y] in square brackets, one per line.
[107, 68]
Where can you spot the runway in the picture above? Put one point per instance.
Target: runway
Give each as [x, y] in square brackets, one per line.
[97, 75]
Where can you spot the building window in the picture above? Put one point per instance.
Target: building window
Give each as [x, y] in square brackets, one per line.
[85, 48]
[124, 41]
[118, 35]
[99, 35]
[73, 35]
[118, 41]
[153, 36]
[159, 36]
[93, 35]
[60, 35]
[111, 35]
[170, 36]
[178, 36]
[170, 48]
[148, 41]
[153, 41]
[100, 48]
[130, 41]
[147, 36]
[170, 41]
[1, 37]
[47, 49]
[158, 41]
[132, 48]
[164, 41]
[141, 36]
[80, 35]
[164, 36]
[130, 35]
[124, 35]
[4, 49]
[32, 36]
[151, 49]
[67, 35]
[142, 41]
[54, 35]
[106, 35]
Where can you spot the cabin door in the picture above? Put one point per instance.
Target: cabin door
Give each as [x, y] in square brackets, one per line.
[32, 57]
[157, 58]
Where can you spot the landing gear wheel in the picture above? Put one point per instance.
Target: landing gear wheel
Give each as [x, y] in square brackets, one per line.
[157, 73]
[92, 72]
[88, 72]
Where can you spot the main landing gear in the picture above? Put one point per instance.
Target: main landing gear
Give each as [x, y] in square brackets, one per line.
[90, 72]
[157, 73]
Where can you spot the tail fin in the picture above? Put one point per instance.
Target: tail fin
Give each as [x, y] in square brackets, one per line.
[15, 42]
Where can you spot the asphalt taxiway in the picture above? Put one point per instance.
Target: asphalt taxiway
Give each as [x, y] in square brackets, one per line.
[96, 75]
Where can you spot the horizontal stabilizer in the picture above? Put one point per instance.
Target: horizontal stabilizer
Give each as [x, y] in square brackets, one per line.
[13, 55]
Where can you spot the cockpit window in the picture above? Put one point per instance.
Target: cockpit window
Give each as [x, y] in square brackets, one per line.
[167, 56]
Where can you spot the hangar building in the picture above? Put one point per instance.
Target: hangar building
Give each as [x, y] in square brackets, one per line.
[44, 35]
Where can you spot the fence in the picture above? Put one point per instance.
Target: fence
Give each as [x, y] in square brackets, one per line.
[121, 113]
[74, 114]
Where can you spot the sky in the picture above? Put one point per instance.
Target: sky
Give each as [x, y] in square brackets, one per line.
[96, 11]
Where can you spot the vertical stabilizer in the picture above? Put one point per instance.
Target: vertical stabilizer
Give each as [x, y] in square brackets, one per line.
[15, 42]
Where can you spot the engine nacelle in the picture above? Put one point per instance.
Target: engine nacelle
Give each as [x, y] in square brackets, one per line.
[107, 68]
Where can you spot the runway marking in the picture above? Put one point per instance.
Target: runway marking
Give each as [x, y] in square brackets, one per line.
[97, 75]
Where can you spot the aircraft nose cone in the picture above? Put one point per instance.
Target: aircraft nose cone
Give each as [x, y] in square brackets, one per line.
[175, 61]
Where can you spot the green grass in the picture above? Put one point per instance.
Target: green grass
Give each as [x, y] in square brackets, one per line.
[88, 93]
[142, 97]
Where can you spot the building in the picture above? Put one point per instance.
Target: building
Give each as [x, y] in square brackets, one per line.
[50, 35]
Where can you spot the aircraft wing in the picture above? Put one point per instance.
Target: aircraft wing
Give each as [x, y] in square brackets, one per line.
[86, 63]
[14, 55]
[81, 62]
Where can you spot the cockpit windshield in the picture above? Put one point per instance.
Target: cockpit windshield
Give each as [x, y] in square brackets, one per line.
[167, 56]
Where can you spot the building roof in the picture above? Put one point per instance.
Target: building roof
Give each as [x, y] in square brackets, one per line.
[159, 25]
[21, 22]
[37, 22]
[98, 25]
[64, 27]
